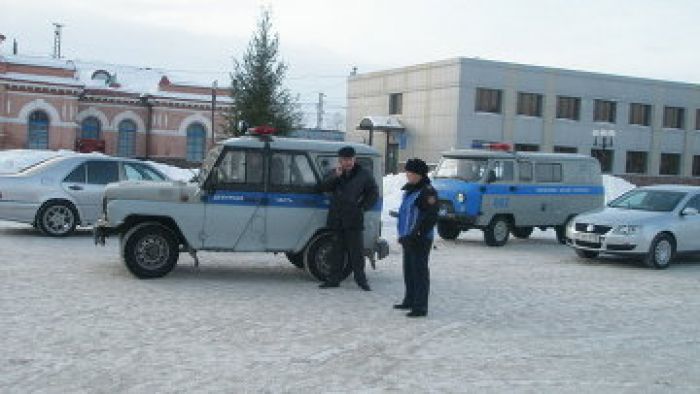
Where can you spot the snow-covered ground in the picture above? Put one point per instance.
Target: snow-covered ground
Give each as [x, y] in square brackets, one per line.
[527, 317]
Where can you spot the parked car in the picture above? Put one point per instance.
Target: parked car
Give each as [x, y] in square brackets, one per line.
[653, 223]
[255, 194]
[502, 192]
[62, 192]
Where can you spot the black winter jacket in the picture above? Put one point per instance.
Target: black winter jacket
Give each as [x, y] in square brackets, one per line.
[352, 194]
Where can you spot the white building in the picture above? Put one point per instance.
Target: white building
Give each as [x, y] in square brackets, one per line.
[452, 103]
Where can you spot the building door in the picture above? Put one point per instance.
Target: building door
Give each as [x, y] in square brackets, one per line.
[38, 130]
[392, 158]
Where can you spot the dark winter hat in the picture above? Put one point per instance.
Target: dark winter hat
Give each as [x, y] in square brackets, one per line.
[417, 166]
[346, 151]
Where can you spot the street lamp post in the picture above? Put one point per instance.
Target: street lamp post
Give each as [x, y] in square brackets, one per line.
[213, 111]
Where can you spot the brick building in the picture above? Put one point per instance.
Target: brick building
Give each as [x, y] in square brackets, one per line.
[48, 103]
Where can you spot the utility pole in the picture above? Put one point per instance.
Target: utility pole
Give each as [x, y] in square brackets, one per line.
[57, 40]
[319, 111]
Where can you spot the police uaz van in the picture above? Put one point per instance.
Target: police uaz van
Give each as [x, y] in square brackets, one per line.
[493, 189]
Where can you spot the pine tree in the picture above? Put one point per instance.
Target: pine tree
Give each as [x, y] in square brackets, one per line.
[257, 85]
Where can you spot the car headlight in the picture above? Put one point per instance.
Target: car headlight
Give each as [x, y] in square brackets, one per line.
[460, 197]
[627, 229]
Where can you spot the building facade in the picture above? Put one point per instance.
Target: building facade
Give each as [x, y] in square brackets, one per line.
[634, 126]
[50, 103]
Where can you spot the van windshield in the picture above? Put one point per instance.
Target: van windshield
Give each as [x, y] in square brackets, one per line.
[469, 170]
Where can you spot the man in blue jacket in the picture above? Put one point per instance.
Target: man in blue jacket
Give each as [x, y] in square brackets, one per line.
[416, 228]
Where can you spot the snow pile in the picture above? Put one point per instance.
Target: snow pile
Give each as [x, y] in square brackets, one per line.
[614, 187]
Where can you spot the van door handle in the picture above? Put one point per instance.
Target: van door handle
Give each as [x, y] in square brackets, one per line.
[75, 187]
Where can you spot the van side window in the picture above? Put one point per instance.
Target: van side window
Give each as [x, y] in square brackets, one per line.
[241, 167]
[504, 171]
[291, 170]
[525, 171]
[548, 172]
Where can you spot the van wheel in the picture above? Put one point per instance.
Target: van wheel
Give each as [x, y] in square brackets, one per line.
[661, 252]
[522, 232]
[586, 254]
[448, 230]
[297, 259]
[320, 256]
[497, 232]
[150, 250]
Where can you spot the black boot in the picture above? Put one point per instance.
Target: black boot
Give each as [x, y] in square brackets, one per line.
[364, 286]
[328, 285]
[402, 306]
[416, 313]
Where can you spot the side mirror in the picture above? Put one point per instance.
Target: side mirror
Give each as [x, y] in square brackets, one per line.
[491, 177]
[689, 211]
[393, 213]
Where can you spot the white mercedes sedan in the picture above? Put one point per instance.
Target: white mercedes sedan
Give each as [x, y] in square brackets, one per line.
[62, 192]
[654, 223]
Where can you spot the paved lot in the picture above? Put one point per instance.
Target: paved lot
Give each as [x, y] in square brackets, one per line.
[528, 317]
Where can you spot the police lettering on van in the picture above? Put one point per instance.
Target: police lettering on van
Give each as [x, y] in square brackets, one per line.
[502, 192]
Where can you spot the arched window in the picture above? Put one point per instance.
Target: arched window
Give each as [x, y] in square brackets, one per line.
[90, 128]
[126, 145]
[38, 130]
[196, 142]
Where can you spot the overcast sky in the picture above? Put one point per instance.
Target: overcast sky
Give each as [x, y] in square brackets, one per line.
[322, 40]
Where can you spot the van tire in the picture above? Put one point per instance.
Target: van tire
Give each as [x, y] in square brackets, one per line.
[497, 232]
[522, 232]
[448, 230]
[150, 250]
[319, 256]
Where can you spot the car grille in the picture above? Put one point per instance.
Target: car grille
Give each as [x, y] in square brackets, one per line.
[597, 229]
[588, 244]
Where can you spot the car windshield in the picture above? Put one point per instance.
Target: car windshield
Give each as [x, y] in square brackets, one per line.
[648, 200]
[469, 170]
[209, 163]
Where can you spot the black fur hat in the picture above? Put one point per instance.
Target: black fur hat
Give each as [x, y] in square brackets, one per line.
[417, 166]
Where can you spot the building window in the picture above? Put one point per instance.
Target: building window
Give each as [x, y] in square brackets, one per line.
[696, 165]
[605, 158]
[604, 111]
[673, 118]
[565, 149]
[90, 128]
[126, 144]
[527, 148]
[396, 104]
[670, 164]
[488, 100]
[640, 114]
[38, 130]
[697, 119]
[636, 163]
[530, 104]
[196, 142]
[568, 107]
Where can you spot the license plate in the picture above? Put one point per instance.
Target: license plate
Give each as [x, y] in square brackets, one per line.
[586, 237]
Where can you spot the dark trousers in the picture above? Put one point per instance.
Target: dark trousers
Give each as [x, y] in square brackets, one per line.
[349, 243]
[416, 275]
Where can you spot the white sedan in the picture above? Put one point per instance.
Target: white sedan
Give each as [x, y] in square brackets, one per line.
[57, 194]
[653, 222]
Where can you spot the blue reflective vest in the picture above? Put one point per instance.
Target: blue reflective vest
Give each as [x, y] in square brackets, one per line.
[410, 215]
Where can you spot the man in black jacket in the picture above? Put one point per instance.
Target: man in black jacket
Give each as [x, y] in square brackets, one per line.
[353, 191]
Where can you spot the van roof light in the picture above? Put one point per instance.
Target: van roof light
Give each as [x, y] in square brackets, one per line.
[502, 146]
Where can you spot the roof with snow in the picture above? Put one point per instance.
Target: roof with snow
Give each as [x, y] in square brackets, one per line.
[102, 78]
[390, 123]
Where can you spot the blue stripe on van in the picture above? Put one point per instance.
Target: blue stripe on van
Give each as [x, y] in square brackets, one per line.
[545, 189]
[287, 200]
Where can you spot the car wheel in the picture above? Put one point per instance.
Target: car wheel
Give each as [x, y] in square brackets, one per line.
[522, 232]
[297, 259]
[561, 231]
[586, 254]
[150, 250]
[320, 256]
[497, 232]
[57, 219]
[661, 252]
[448, 230]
